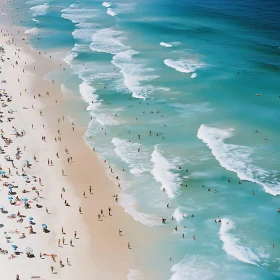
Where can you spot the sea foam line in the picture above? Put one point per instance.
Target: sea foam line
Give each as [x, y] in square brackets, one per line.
[162, 172]
[236, 158]
[106, 4]
[231, 244]
[184, 65]
[110, 12]
[40, 10]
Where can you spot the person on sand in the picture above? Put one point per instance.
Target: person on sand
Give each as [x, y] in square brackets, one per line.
[75, 235]
[63, 240]
[84, 194]
[120, 232]
[62, 230]
[128, 245]
[90, 189]
[68, 262]
[17, 277]
[71, 243]
[52, 269]
[80, 210]
[58, 242]
[110, 211]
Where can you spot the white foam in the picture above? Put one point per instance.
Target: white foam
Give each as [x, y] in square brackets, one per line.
[40, 10]
[194, 75]
[163, 174]
[108, 40]
[178, 215]
[35, 2]
[183, 65]
[78, 15]
[87, 92]
[231, 244]
[35, 20]
[128, 152]
[32, 31]
[110, 12]
[194, 268]
[134, 275]
[106, 4]
[134, 73]
[70, 57]
[167, 45]
[129, 204]
[237, 159]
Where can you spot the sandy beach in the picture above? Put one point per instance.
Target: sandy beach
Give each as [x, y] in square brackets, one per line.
[52, 183]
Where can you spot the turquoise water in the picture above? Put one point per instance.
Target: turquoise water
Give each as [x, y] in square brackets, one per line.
[191, 72]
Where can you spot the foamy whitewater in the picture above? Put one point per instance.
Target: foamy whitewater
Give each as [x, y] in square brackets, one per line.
[39, 10]
[232, 245]
[174, 87]
[237, 158]
[184, 65]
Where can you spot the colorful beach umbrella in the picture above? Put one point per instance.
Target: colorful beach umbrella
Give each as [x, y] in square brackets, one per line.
[2, 172]
[44, 226]
[10, 198]
[30, 219]
[25, 199]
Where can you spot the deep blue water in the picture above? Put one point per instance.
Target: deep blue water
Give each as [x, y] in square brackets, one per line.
[203, 76]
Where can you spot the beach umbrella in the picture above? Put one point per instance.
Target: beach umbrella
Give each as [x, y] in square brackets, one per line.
[2, 172]
[28, 250]
[44, 226]
[30, 219]
[10, 198]
[14, 246]
[10, 188]
[1, 207]
[25, 199]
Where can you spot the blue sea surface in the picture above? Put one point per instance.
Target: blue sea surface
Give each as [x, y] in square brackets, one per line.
[188, 93]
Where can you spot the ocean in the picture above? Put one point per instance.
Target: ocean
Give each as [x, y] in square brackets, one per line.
[188, 93]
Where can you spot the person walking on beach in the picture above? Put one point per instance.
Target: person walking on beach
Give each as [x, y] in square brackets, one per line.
[52, 269]
[128, 245]
[71, 243]
[90, 190]
[63, 240]
[58, 242]
[80, 210]
[75, 235]
[110, 211]
[62, 230]
[17, 277]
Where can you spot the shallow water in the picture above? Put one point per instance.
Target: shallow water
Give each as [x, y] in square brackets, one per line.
[189, 71]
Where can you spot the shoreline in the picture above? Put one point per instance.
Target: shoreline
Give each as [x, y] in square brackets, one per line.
[121, 260]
